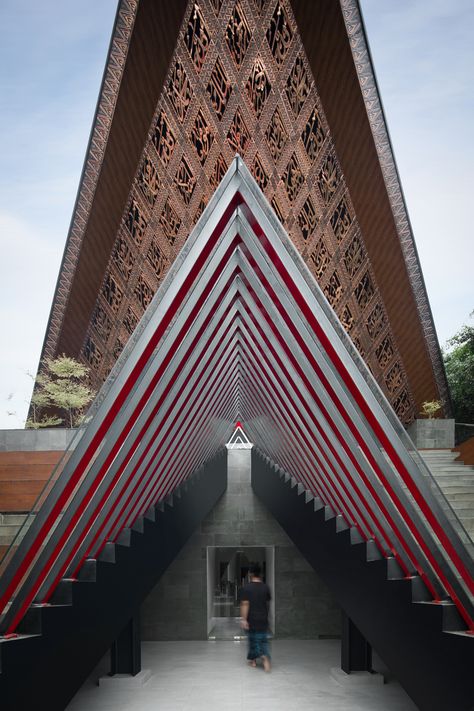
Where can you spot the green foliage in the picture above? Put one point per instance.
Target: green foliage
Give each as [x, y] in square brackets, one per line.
[66, 368]
[44, 421]
[459, 364]
[430, 408]
[60, 387]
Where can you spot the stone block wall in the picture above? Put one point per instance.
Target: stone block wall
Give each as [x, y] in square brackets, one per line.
[44, 440]
[177, 607]
[432, 434]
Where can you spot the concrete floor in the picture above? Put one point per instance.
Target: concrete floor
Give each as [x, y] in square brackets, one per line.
[214, 676]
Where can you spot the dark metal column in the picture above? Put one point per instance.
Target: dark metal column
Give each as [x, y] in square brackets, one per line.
[125, 652]
[356, 652]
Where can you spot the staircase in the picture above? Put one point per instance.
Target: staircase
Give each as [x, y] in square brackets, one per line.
[456, 481]
[23, 475]
[423, 643]
[10, 524]
[57, 645]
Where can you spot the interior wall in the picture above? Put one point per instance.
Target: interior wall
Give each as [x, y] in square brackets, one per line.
[177, 608]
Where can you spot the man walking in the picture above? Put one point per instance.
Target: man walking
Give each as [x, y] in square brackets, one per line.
[254, 600]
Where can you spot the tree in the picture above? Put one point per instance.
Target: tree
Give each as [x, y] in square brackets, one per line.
[61, 386]
[430, 408]
[459, 364]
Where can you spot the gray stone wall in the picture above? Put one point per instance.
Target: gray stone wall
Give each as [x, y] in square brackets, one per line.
[432, 434]
[45, 440]
[177, 607]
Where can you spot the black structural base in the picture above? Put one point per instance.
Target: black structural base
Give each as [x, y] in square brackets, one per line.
[60, 645]
[413, 635]
[126, 650]
[356, 652]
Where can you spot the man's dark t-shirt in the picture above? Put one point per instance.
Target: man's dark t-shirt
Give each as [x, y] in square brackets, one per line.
[258, 597]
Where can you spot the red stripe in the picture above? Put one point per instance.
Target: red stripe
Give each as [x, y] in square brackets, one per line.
[103, 428]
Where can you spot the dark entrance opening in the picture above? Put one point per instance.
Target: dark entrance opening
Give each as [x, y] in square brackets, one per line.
[227, 570]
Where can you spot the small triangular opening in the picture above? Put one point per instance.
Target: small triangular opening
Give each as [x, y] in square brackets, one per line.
[239, 439]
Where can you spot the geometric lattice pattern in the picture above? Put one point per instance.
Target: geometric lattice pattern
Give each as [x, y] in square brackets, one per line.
[239, 82]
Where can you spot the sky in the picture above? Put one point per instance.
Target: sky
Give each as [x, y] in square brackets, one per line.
[52, 57]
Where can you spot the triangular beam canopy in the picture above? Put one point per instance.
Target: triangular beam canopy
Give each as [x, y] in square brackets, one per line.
[239, 330]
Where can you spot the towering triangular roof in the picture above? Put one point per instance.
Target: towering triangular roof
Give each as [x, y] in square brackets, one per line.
[290, 87]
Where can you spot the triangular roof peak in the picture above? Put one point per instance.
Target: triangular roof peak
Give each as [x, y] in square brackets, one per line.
[239, 439]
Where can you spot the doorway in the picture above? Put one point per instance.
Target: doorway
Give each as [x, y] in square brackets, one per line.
[227, 570]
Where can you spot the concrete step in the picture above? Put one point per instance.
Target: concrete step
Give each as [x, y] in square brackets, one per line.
[460, 505]
[17, 519]
[462, 471]
[444, 483]
[467, 496]
[447, 462]
[441, 461]
[8, 531]
[6, 540]
[438, 455]
[467, 524]
[465, 515]
[449, 466]
[456, 481]
[453, 474]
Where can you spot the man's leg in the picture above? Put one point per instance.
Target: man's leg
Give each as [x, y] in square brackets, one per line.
[265, 651]
[252, 650]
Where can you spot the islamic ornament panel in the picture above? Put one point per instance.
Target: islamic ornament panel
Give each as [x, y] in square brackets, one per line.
[276, 135]
[163, 138]
[196, 37]
[297, 86]
[259, 173]
[258, 87]
[202, 137]
[239, 135]
[313, 136]
[179, 91]
[238, 34]
[101, 323]
[307, 218]
[148, 181]
[239, 82]
[279, 34]
[185, 181]
[92, 353]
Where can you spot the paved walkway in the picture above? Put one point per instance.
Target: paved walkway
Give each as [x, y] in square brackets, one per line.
[213, 676]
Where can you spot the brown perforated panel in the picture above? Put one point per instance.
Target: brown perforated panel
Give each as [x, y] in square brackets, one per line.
[240, 82]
